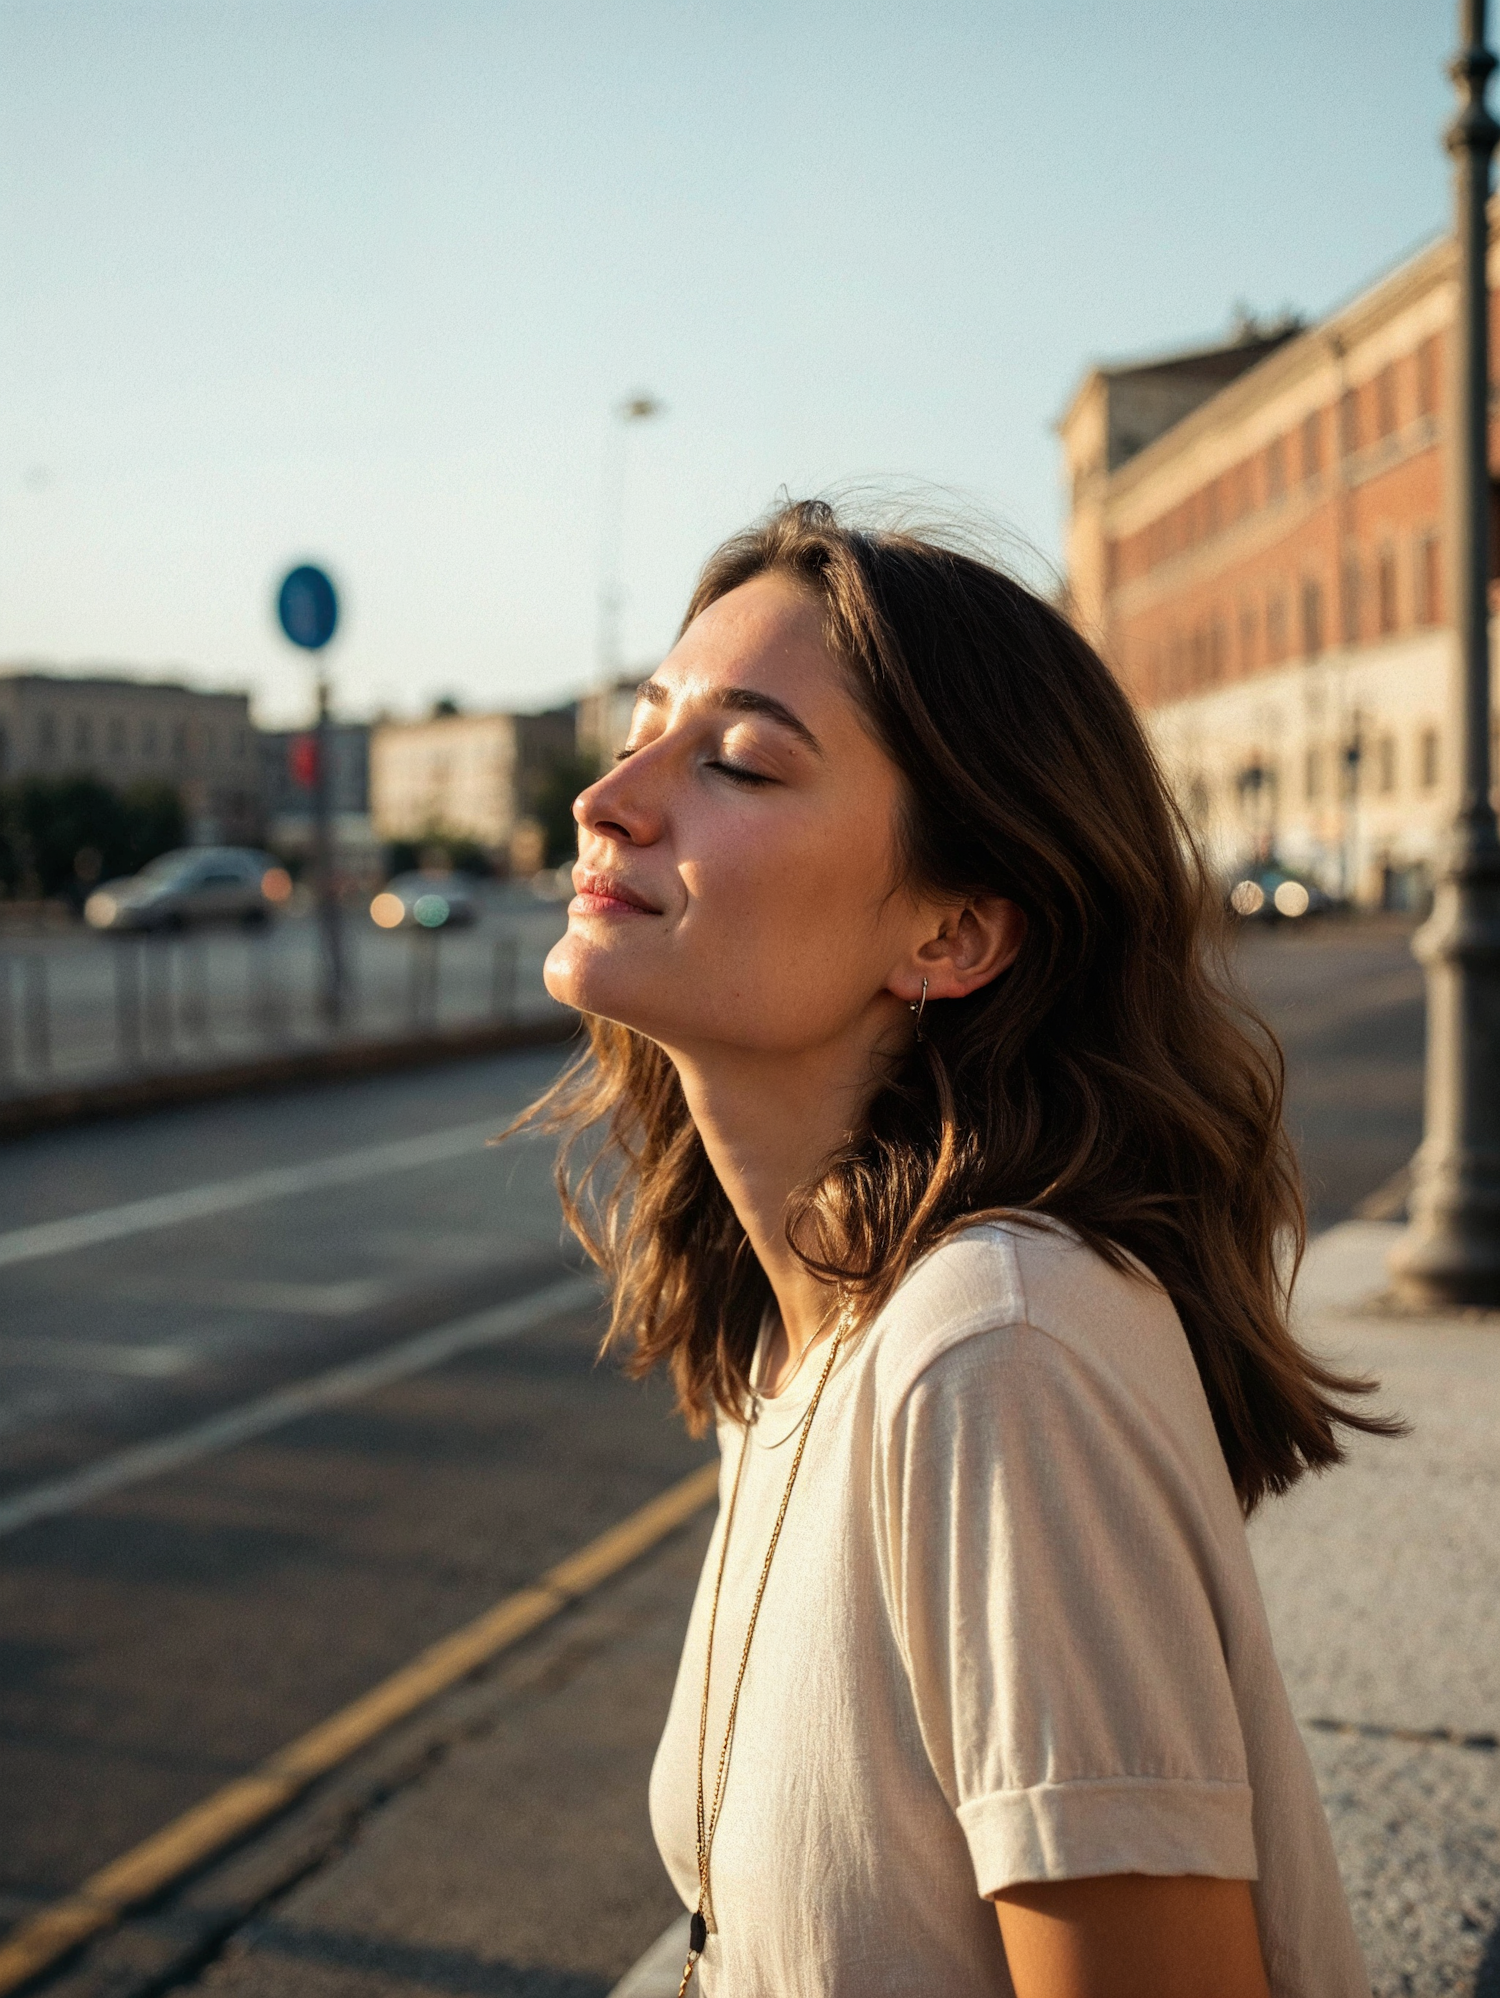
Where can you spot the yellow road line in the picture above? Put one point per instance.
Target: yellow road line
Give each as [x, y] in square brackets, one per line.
[168, 1855]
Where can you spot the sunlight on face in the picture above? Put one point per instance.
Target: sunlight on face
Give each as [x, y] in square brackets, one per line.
[735, 867]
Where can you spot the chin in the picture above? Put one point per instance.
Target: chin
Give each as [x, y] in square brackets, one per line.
[588, 980]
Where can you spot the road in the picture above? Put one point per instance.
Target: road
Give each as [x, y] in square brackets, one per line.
[160, 1637]
[1346, 1004]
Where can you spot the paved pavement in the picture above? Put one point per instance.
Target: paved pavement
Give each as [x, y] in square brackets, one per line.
[158, 1641]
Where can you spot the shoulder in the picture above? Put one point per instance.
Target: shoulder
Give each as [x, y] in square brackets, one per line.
[1058, 1301]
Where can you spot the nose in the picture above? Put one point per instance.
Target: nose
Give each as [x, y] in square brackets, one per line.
[618, 807]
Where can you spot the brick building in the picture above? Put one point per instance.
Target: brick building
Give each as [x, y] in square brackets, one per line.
[1256, 543]
[122, 730]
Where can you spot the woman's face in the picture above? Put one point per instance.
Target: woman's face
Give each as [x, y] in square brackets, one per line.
[736, 867]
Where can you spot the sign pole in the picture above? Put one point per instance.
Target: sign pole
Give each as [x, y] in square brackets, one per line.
[308, 609]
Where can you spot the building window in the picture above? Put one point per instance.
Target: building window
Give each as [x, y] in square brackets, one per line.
[1312, 774]
[1429, 579]
[1247, 639]
[1348, 422]
[1276, 468]
[116, 736]
[148, 738]
[1427, 385]
[46, 733]
[83, 736]
[1351, 604]
[1312, 618]
[1312, 444]
[1385, 402]
[1385, 763]
[179, 740]
[1385, 590]
[1275, 627]
[1427, 758]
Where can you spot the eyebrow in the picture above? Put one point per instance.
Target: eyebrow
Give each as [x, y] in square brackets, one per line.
[740, 701]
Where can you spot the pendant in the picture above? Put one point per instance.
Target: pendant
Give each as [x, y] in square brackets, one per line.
[697, 1932]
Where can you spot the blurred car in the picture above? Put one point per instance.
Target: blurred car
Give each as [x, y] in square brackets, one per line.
[425, 901]
[198, 884]
[1270, 894]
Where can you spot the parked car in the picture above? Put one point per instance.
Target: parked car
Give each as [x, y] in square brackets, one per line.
[195, 884]
[425, 901]
[1271, 893]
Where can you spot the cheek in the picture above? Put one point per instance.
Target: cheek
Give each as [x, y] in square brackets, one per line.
[781, 938]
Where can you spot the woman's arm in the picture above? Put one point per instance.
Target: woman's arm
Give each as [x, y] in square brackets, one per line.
[1132, 1935]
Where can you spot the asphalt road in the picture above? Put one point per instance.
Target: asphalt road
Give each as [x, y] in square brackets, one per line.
[159, 1639]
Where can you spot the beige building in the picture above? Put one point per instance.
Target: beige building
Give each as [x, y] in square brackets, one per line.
[464, 776]
[122, 730]
[604, 715]
[1256, 543]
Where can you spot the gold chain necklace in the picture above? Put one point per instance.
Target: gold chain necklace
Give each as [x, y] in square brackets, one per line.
[708, 1819]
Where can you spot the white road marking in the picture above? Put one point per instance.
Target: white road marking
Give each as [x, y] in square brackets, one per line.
[340, 1299]
[272, 1411]
[90, 1356]
[224, 1196]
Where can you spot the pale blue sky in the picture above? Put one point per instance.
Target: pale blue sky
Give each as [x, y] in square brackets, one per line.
[360, 282]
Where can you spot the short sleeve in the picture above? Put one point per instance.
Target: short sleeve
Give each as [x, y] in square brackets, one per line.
[1054, 1596]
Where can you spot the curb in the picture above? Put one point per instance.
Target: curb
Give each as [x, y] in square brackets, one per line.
[659, 1972]
[160, 1090]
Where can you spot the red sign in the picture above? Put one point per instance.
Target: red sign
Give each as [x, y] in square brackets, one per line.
[302, 760]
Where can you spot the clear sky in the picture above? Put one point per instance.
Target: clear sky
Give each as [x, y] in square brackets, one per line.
[362, 282]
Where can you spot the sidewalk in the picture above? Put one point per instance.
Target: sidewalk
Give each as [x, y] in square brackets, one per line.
[1383, 1586]
[500, 1848]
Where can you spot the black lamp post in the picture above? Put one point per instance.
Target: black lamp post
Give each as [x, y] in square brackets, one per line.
[1450, 1254]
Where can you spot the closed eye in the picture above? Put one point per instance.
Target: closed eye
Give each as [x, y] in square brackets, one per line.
[737, 772]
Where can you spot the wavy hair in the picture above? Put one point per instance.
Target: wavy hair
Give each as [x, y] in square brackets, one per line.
[1109, 1080]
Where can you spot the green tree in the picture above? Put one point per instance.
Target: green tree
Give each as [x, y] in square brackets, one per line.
[155, 819]
[59, 835]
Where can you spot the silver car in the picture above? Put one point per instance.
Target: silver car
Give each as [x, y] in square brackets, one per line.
[198, 884]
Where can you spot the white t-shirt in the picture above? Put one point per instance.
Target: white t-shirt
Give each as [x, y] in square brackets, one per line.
[1012, 1632]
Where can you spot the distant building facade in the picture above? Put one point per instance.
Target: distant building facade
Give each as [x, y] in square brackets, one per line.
[470, 777]
[288, 802]
[1256, 544]
[604, 714]
[122, 730]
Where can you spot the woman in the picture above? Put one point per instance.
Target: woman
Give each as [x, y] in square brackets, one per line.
[941, 1174]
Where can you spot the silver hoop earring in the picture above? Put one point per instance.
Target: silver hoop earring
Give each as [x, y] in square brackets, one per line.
[918, 1006]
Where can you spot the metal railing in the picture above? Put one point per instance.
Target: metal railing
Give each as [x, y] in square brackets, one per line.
[81, 1006]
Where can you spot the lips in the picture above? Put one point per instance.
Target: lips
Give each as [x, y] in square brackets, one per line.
[606, 894]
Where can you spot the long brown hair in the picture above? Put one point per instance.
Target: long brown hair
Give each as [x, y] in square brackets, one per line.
[1108, 1079]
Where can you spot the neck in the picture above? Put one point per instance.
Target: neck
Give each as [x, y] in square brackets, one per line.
[767, 1123]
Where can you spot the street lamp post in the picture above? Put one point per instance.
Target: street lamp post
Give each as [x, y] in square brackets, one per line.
[1450, 1254]
[635, 409]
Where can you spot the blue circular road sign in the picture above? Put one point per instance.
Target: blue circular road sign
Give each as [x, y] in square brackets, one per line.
[308, 608]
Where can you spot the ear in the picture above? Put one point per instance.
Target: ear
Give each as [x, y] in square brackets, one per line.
[970, 944]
